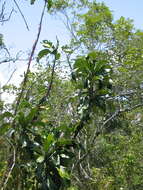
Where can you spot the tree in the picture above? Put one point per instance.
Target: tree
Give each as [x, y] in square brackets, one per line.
[117, 41]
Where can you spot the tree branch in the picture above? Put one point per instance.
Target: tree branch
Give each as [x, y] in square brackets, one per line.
[21, 14]
[2, 15]
[30, 60]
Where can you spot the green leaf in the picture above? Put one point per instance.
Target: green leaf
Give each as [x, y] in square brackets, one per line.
[80, 66]
[58, 55]
[99, 67]
[40, 159]
[43, 53]
[48, 141]
[6, 115]
[21, 119]
[64, 141]
[67, 49]
[31, 115]
[49, 5]
[63, 173]
[32, 2]
[24, 104]
[4, 128]
[93, 55]
[47, 44]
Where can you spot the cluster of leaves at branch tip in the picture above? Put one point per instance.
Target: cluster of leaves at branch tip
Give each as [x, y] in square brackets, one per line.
[50, 49]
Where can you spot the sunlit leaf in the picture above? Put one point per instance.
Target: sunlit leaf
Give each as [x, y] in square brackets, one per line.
[40, 159]
[48, 141]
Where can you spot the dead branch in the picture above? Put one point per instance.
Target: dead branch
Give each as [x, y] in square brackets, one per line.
[3, 17]
[10, 77]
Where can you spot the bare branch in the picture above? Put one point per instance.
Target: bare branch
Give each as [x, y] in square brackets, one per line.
[10, 77]
[3, 15]
[21, 14]
[68, 25]
[18, 57]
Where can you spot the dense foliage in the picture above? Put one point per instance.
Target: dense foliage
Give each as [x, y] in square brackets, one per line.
[82, 129]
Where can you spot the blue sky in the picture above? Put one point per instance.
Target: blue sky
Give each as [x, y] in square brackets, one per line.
[18, 38]
[129, 8]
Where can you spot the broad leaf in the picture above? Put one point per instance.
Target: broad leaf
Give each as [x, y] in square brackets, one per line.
[43, 53]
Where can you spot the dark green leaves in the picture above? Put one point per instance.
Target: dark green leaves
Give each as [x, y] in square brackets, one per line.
[5, 122]
[92, 67]
[43, 53]
[6, 115]
[4, 128]
[32, 2]
[47, 44]
[49, 5]
[31, 115]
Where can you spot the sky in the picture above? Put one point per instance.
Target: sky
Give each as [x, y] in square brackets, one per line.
[17, 37]
[128, 8]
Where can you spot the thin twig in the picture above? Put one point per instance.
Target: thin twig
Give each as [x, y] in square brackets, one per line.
[2, 15]
[10, 77]
[7, 51]
[68, 60]
[6, 61]
[118, 112]
[21, 14]
[68, 25]
[13, 60]
[43, 99]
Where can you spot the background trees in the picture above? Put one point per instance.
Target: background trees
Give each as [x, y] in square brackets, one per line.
[82, 130]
